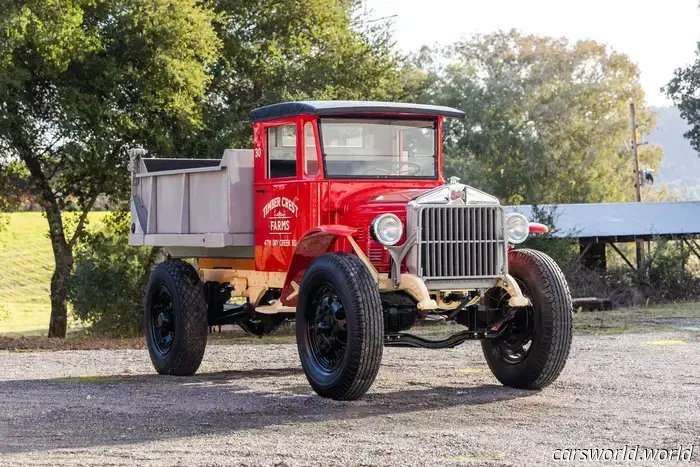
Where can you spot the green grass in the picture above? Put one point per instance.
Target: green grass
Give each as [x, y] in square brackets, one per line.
[26, 266]
[669, 317]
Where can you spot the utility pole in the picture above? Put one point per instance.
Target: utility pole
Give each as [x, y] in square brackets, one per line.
[637, 180]
[635, 154]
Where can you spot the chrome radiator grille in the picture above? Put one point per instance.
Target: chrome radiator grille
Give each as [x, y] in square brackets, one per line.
[461, 242]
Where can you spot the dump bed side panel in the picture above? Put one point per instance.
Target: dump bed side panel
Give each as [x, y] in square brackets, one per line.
[194, 208]
[208, 203]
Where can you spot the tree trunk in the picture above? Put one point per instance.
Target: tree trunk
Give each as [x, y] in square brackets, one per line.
[63, 257]
[59, 291]
[62, 249]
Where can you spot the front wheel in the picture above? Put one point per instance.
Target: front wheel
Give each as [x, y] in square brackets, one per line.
[532, 351]
[339, 326]
[175, 318]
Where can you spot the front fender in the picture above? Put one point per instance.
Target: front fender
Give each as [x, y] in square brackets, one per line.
[312, 244]
[537, 228]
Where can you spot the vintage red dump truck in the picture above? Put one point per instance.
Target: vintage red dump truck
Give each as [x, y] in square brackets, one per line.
[340, 218]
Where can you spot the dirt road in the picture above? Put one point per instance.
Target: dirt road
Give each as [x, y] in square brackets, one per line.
[251, 405]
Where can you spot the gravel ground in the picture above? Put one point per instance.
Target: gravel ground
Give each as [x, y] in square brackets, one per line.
[251, 405]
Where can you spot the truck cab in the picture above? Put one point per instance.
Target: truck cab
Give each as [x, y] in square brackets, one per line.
[340, 218]
[342, 163]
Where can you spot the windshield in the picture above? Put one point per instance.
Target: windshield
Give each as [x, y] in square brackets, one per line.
[378, 148]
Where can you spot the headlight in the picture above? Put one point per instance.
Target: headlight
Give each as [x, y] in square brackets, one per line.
[386, 229]
[518, 227]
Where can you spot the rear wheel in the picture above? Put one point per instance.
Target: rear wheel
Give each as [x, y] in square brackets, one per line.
[175, 318]
[532, 351]
[339, 326]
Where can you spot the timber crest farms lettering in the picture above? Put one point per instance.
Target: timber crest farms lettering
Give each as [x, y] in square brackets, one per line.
[279, 222]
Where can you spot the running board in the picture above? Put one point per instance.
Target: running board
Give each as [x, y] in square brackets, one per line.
[411, 340]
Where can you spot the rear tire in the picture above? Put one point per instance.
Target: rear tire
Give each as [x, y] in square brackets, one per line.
[339, 326]
[175, 319]
[533, 350]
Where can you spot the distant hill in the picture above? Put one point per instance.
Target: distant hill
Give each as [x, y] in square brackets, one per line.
[680, 169]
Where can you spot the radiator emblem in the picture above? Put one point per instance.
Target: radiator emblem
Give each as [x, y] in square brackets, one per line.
[458, 194]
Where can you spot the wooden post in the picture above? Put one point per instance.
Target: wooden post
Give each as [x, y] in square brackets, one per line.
[593, 256]
[637, 180]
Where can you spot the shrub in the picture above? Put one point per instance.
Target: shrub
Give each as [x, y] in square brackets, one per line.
[620, 285]
[669, 276]
[109, 277]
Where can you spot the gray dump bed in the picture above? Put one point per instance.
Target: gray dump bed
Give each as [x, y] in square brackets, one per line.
[194, 207]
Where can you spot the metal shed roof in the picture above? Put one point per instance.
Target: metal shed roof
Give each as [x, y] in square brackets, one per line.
[290, 109]
[621, 221]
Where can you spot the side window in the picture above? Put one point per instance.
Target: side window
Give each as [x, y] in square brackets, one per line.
[310, 156]
[282, 151]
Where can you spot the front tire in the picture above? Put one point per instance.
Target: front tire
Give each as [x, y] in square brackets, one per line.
[339, 326]
[532, 351]
[175, 319]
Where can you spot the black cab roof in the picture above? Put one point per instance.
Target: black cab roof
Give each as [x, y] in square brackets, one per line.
[291, 109]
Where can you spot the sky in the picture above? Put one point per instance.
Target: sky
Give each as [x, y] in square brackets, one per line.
[659, 36]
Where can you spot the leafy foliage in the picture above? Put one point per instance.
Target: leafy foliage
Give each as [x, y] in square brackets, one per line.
[684, 90]
[109, 278]
[280, 50]
[670, 277]
[547, 120]
[680, 171]
[10, 193]
[80, 82]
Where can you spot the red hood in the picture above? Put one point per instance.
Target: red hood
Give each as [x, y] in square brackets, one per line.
[373, 198]
[356, 206]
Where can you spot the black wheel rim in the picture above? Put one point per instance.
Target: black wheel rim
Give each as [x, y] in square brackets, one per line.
[327, 329]
[162, 320]
[513, 346]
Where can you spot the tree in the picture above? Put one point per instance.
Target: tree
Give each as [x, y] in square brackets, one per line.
[684, 90]
[80, 82]
[547, 120]
[281, 50]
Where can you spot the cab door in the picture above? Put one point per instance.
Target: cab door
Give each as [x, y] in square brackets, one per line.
[285, 201]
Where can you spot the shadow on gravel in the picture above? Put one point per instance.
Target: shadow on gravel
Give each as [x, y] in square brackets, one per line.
[74, 413]
[223, 377]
